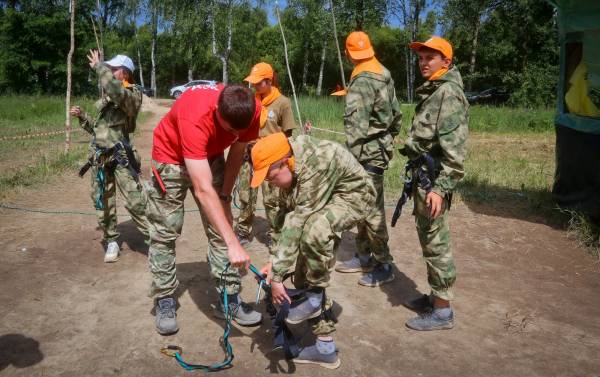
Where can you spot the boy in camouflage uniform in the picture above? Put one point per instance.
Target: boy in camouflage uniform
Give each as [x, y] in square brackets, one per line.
[438, 134]
[324, 192]
[111, 130]
[372, 119]
[276, 116]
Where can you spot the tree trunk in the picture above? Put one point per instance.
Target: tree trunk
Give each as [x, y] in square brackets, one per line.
[321, 68]
[190, 64]
[141, 71]
[473, 54]
[305, 67]
[287, 63]
[224, 57]
[72, 5]
[337, 44]
[100, 31]
[408, 87]
[154, 20]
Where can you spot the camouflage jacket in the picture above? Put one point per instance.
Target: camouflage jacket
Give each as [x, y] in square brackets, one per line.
[117, 110]
[323, 170]
[440, 127]
[372, 118]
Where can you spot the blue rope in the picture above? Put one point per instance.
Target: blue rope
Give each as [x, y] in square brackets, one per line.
[101, 178]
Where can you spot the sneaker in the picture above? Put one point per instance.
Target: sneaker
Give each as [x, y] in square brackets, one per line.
[437, 319]
[381, 274]
[112, 252]
[322, 353]
[355, 265]
[243, 239]
[308, 308]
[420, 304]
[166, 316]
[242, 313]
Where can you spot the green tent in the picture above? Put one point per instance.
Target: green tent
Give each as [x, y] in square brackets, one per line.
[577, 177]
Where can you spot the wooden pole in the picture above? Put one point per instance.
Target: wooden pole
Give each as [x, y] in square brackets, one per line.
[72, 5]
[287, 63]
[337, 43]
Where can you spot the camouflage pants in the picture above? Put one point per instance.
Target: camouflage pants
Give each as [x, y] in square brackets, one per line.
[434, 236]
[320, 239]
[247, 197]
[165, 214]
[133, 194]
[372, 237]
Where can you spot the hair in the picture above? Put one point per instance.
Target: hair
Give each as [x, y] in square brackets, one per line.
[237, 106]
[128, 75]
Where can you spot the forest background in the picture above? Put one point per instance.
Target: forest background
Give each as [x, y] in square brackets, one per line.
[510, 44]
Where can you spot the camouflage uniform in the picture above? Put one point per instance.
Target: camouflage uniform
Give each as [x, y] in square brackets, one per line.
[440, 128]
[331, 193]
[118, 109]
[372, 118]
[165, 214]
[279, 119]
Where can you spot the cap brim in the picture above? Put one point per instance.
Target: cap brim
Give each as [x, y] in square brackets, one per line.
[417, 45]
[340, 93]
[258, 176]
[360, 55]
[254, 79]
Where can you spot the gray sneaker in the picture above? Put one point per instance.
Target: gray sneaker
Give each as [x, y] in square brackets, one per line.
[166, 316]
[322, 353]
[309, 308]
[420, 304]
[381, 274]
[437, 319]
[243, 314]
[355, 265]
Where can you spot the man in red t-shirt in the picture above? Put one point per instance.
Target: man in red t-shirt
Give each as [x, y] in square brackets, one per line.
[188, 154]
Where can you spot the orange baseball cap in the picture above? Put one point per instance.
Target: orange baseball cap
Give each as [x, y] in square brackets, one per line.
[359, 46]
[265, 152]
[435, 43]
[260, 72]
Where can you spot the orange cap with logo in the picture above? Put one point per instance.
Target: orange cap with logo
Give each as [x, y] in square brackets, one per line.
[358, 46]
[265, 152]
[260, 72]
[435, 43]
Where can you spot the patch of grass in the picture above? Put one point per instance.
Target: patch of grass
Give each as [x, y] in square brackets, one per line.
[584, 231]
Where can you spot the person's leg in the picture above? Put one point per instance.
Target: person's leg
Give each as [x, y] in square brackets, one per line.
[434, 236]
[247, 201]
[135, 198]
[165, 218]
[104, 195]
[218, 260]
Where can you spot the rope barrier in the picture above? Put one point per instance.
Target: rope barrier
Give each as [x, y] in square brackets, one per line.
[39, 134]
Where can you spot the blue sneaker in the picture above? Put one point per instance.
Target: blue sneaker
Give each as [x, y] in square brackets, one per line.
[166, 316]
[437, 319]
[306, 309]
[381, 274]
[322, 353]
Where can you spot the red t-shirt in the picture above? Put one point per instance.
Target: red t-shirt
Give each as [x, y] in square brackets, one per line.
[189, 130]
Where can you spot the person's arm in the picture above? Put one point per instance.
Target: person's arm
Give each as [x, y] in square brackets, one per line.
[359, 105]
[85, 121]
[201, 177]
[235, 159]
[452, 132]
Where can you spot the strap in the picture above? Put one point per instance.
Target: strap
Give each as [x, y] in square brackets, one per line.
[373, 169]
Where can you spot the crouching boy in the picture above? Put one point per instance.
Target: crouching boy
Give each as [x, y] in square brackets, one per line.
[324, 191]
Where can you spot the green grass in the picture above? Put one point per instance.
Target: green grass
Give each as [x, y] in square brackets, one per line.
[34, 160]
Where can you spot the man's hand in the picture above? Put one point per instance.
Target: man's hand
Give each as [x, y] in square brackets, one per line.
[278, 293]
[267, 271]
[76, 111]
[238, 256]
[93, 58]
[434, 202]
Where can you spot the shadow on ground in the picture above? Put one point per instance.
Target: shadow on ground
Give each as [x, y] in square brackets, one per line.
[19, 351]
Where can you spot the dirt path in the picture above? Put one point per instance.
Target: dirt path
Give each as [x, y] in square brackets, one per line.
[527, 299]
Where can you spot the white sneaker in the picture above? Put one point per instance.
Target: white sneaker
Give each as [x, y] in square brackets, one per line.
[112, 252]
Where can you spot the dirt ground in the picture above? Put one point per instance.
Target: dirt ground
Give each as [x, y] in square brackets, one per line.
[527, 298]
